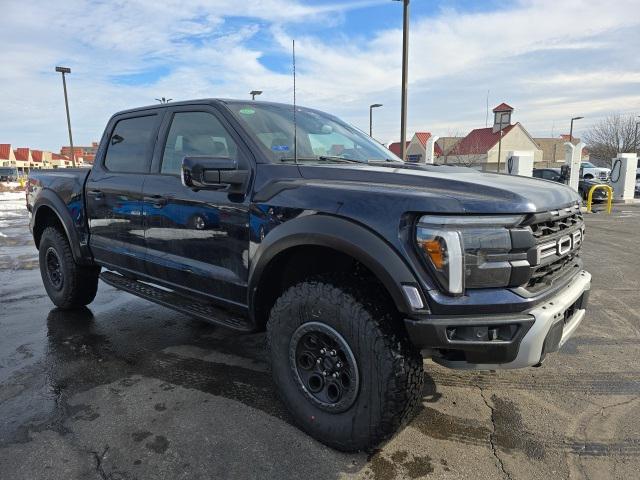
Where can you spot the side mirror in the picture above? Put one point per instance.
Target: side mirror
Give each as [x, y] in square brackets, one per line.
[213, 173]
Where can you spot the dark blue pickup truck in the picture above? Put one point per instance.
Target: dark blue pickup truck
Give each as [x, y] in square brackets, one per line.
[357, 265]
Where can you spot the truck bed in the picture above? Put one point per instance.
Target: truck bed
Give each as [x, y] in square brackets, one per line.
[66, 183]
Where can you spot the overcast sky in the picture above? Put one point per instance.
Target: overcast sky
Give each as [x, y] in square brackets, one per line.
[549, 59]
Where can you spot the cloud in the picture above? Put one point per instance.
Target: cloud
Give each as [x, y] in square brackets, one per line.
[550, 60]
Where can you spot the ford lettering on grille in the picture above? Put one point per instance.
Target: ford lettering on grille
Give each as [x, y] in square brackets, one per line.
[560, 247]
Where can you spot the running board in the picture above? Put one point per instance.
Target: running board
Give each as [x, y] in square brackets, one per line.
[187, 305]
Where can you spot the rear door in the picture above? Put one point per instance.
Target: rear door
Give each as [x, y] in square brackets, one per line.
[114, 191]
[197, 241]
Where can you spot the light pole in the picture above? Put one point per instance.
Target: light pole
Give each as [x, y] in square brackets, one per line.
[571, 129]
[64, 70]
[164, 100]
[253, 93]
[371, 107]
[405, 75]
[502, 114]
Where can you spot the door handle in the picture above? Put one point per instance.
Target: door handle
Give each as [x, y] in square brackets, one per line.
[157, 201]
[95, 193]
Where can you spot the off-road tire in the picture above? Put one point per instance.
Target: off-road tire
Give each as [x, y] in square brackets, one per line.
[79, 283]
[390, 368]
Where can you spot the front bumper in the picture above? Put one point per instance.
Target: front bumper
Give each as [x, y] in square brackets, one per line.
[491, 342]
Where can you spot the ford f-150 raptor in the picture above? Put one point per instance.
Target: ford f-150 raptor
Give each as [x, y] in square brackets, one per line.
[357, 264]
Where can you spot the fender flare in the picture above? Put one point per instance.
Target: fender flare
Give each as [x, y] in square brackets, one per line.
[48, 198]
[341, 235]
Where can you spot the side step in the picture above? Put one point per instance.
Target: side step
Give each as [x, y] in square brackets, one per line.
[187, 305]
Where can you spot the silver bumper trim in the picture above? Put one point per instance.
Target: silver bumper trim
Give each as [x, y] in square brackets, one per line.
[546, 315]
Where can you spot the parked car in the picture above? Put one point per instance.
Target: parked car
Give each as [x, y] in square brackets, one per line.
[8, 174]
[356, 264]
[584, 184]
[590, 171]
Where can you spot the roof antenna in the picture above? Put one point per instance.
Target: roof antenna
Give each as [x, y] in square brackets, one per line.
[295, 127]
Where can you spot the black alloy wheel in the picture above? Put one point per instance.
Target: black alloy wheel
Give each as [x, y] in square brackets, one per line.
[54, 269]
[324, 367]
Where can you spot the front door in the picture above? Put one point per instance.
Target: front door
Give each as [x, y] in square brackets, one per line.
[197, 240]
[114, 191]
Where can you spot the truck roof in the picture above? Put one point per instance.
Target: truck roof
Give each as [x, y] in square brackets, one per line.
[198, 101]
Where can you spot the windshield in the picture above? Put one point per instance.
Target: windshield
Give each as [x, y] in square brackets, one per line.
[320, 136]
[587, 165]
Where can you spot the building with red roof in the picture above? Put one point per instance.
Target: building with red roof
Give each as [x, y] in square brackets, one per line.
[7, 156]
[23, 159]
[417, 149]
[395, 147]
[482, 146]
[60, 161]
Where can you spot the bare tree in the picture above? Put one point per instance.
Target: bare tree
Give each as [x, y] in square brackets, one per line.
[613, 135]
[447, 145]
[474, 155]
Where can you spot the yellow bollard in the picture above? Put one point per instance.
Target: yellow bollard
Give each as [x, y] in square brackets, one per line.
[21, 181]
[609, 196]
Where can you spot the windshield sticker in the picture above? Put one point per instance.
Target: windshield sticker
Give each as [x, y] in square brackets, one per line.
[280, 148]
[247, 111]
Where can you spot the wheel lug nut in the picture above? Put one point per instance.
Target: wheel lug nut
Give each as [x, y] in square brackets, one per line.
[323, 351]
[339, 365]
[324, 373]
[333, 353]
[335, 375]
[318, 361]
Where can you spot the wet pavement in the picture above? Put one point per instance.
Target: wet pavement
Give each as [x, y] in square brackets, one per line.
[129, 390]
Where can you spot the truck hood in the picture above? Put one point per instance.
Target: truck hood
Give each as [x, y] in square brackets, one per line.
[445, 189]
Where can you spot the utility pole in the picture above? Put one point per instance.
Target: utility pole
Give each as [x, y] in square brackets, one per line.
[371, 107]
[405, 78]
[64, 70]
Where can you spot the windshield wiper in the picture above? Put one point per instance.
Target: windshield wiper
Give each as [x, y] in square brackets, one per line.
[386, 160]
[321, 158]
[329, 158]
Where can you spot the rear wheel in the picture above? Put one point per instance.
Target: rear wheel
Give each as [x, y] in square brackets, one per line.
[68, 284]
[341, 365]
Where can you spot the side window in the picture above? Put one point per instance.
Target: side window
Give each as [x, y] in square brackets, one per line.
[130, 145]
[194, 134]
[537, 174]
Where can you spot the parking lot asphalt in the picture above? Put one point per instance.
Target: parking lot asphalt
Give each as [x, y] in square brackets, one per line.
[126, 389]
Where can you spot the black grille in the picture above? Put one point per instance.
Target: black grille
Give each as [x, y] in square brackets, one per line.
[545, 275]
[549, 227]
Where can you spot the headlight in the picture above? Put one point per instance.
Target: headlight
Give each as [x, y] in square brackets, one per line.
[469, 251]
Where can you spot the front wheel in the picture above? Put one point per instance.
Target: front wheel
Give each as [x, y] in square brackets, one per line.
[342, 366]
[68, 284]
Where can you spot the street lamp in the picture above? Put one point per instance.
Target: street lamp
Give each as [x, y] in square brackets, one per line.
[163, 100]
[405, 75]
[371, 107]
[502, 114]
[571, 129]
[253, 93]
[64, 70]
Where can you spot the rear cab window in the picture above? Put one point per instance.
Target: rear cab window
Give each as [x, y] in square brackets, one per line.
[131, 144]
